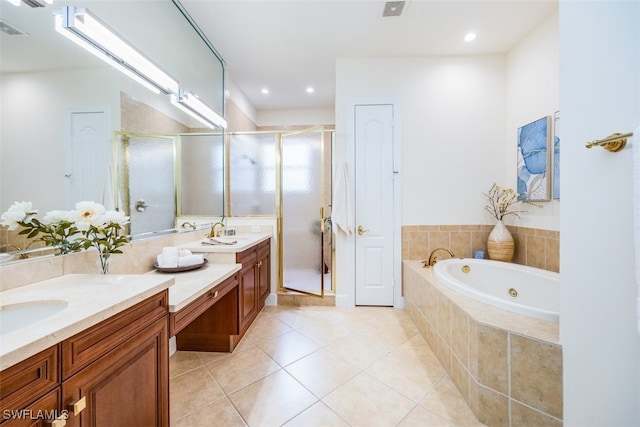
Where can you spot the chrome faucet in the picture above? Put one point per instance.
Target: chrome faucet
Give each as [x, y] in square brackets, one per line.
[216, 233]
[433, 259]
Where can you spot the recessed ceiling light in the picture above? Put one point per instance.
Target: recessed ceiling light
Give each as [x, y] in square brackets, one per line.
[470, 37]
[265, 91]
[310, 90]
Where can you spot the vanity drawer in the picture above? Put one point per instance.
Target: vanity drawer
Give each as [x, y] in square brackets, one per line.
[33, 377]
[88, 345]
[180, 319]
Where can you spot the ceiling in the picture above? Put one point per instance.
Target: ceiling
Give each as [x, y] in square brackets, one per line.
[287, 46]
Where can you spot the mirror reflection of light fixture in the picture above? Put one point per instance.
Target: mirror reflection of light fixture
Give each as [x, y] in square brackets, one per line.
[86, 30]
[192, 105]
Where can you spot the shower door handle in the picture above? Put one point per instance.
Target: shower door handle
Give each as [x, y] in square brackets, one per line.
[361, 230]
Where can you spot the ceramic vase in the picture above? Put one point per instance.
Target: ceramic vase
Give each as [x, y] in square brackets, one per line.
[500, 244]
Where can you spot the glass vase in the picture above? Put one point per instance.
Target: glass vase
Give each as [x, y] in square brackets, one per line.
[103, 264]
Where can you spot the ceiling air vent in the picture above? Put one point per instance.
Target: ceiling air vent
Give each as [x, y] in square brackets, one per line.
[10, 29]
[393, 8]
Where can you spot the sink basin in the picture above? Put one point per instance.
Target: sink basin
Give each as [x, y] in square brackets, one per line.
[20, 315]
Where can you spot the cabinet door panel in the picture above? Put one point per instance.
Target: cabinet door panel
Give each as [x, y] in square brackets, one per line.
[126, 387]
[248, 295]
[24, 382]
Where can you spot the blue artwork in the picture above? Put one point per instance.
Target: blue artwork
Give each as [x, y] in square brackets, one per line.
[533, 159]
[556, 156]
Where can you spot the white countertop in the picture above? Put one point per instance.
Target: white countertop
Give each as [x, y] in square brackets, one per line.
[189, 285]
[90, 299]
[244, 241]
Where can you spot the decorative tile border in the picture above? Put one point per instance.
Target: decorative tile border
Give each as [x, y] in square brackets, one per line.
[534, 247]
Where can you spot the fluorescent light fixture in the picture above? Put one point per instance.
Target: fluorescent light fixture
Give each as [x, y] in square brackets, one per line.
[85, 29]
[192, 105]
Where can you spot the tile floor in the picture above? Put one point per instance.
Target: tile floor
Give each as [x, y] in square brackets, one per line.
[318, 366]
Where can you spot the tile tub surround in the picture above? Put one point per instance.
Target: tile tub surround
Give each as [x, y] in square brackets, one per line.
[508, 367]
[534, 247]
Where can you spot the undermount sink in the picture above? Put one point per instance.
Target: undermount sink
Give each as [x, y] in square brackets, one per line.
[20, 315]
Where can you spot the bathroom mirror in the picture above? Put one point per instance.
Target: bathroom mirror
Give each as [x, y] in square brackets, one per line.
[57, 99]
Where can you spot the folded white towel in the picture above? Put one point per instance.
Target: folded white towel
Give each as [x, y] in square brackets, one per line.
[167, 262]
[184, 252]
[170, 250]
[186, 261]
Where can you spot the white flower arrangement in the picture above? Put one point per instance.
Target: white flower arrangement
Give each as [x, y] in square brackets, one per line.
[89, 225]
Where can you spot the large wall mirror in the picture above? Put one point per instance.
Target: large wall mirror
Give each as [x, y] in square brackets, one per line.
[67, 118]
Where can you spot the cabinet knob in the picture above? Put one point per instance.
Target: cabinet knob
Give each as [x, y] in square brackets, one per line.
[215, 294]
[78, 406]
[61, 421]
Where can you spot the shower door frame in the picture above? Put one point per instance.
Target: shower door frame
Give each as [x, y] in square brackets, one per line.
[323, 219]
[278, 135]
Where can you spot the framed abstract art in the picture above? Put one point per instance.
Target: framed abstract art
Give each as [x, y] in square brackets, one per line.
[534, 180]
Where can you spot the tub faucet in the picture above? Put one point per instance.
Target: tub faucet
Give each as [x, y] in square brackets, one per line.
[433, 258]
[216, 233]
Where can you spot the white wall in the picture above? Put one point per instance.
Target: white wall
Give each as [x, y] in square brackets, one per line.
[452, 122]
[32, 129]
[600, 94]
[533, 92]
[297, 117]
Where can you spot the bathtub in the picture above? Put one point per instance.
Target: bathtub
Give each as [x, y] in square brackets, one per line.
[517, 288]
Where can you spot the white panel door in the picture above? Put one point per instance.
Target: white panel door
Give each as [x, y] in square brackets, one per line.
[374, 210]
[88, 158]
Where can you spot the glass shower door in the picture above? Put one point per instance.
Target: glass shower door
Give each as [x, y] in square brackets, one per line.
[304, 204]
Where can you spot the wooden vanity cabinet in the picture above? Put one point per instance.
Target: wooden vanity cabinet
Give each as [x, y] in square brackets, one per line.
[207, 323]
[116, 373]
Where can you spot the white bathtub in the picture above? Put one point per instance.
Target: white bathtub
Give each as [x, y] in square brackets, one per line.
[517, 288]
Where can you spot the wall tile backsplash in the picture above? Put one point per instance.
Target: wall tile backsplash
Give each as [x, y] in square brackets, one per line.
[534, 247]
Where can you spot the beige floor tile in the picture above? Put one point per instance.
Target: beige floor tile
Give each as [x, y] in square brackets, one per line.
[445, 401]
[288, 347]
[322, 372]
[273, 400]
[418, 348]
[325, 331]
[406, 375]
[183, 361]
[192, 391]
[242, 368]
[420, 417]
[266, 327]
[208, 357]
[361, 350]
[366, 401]
[317, 416]
[220, 413]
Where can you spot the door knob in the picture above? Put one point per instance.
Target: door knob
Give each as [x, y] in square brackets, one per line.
[361, 230]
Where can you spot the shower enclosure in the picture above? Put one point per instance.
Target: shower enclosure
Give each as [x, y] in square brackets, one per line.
[288, 175]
